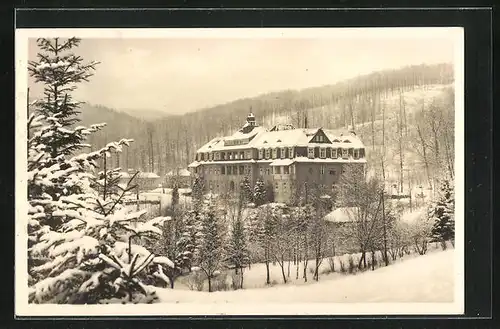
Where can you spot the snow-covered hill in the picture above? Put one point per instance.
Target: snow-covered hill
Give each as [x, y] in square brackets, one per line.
[429, 278]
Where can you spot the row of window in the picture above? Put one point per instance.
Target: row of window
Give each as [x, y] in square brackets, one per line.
[246, 170]
[211, 156]
[282, 153]
[226, 170]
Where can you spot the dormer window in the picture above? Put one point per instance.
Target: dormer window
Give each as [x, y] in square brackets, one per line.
[322, 152]
[279, 141]
[310, 152]
[290, 152]
[283, 151]
[345, 153]
[275, 153]
[334, 153]
[268, 153]
[261, 153]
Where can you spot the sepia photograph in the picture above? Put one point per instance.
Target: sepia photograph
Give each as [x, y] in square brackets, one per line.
[283, 171]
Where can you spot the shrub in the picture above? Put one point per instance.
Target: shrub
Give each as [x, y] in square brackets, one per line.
[342, 267]
[196, 280]
[352, 265]
[220, 282]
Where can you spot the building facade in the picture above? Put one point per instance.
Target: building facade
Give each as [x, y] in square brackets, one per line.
[284, 157]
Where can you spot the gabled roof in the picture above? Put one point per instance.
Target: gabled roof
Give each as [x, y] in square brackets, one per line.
[259, 137]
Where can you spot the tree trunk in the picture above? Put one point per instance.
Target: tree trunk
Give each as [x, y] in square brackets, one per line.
[268, 279]
[424, 154]
[282, 265]
[209, 283]
[241, 282]
[373, 260]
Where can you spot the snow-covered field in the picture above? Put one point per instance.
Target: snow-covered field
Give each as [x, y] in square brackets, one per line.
[427, 278]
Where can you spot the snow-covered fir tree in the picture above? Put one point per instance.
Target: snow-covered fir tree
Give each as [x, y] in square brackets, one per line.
[80, 236]
[246, 191]
[210, 254]
[442, 214]
[197, 193]
[259, 192]
[237, 254]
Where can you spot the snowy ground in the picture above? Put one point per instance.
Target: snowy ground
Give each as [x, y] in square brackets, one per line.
[427, 278]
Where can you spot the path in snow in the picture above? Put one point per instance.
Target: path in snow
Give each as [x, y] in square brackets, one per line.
[427, 278]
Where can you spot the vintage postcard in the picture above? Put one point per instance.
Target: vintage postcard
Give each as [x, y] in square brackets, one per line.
[289, 171]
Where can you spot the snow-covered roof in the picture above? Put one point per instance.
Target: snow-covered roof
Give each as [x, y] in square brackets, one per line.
[140, 175]
[282, 138]
[194, 164]
[179, 172]
[241, 135]
[341, 215]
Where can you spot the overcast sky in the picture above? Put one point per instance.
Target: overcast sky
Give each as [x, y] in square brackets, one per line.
[178, 75]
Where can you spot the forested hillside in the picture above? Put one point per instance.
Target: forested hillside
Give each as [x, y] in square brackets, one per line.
[410, 108]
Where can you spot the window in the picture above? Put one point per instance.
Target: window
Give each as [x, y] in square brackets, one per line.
[268, 171]
[229, 172]
[361, 153]
[235, 170]
[310, 152]
[248, 155]
[223, 156]
[261, 171]
[268, 153]
[210, 184]
[334, 153]
[345, 153]
[277, 170]
[275, 153]
[284, 185]
[356, 154]
[223, 170]
[322, 170]
[286, 170]
[242, 155]
[202, 156]
[261, 153]
[332, 172]
[211, 156]
[242, 170]
[277, 185]
[292, 169]
[320, 138]
[290, 152]
[310, 170]
[283, 151]
[322, 152]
